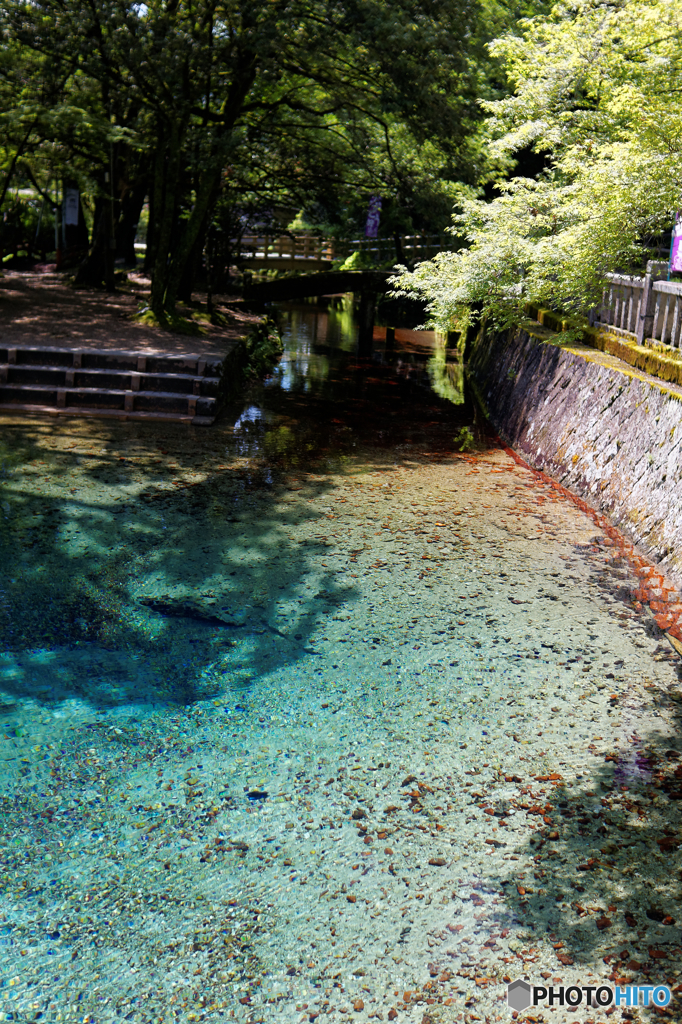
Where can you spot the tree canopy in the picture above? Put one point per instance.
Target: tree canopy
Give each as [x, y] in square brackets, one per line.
[596, 88]
[198, 103]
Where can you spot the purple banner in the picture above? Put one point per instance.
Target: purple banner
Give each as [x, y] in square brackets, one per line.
[676, 246]
[373, 217]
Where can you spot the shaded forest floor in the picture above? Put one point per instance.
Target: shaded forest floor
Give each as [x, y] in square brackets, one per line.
[39, 307]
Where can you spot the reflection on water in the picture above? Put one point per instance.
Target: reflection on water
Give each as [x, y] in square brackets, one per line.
[312, 710]
[319, 335]
[447, 376]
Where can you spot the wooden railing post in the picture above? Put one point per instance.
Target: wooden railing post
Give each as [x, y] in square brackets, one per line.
[645, 310]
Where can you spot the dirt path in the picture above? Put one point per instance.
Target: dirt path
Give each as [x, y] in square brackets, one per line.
[39, 308]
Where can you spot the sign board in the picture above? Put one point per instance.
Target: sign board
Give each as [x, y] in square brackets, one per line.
[71, 206]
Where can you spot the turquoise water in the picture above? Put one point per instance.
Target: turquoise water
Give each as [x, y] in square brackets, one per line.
[313, 710]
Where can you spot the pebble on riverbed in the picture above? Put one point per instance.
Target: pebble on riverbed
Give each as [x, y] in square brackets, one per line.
[311, 818]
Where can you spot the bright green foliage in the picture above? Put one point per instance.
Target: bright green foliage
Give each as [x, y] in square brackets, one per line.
[597, 87]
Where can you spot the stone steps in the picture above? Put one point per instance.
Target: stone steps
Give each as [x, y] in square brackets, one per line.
[122, 385]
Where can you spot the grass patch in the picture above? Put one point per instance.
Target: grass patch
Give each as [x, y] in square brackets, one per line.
[172, 322]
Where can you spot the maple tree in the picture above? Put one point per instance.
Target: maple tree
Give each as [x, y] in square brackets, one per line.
[596, 88]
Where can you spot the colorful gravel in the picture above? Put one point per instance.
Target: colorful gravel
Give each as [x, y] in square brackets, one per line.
[313, 716]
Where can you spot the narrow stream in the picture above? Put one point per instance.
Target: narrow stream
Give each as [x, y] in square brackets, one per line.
[332, 711]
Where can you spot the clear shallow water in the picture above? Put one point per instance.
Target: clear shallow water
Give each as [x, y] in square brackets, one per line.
[311, 709]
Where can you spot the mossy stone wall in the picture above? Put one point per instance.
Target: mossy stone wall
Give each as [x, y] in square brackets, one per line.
[606, 431]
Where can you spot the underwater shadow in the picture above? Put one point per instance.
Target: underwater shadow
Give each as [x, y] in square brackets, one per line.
[150, 597]
[169, 565]
[606, 882]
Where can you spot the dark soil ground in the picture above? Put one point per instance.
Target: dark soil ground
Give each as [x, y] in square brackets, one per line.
[39, 307]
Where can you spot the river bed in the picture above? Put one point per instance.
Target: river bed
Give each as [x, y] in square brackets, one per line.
[332, 711]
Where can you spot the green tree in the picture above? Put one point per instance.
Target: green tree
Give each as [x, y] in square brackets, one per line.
[54, 127]
[210, 78]
[598, 87]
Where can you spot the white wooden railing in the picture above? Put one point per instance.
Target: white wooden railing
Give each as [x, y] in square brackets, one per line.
[648, 309]
[293, 247]
[310, 248]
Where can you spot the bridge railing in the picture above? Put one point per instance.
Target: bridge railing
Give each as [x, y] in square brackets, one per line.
[273, 248]
[647, 309]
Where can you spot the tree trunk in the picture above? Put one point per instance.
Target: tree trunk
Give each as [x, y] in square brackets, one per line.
[208, 190]
[92, 271]
[109, 247]
[209, 272]
[131, 208]
[166, 181]
[194, 233]
[189, 274]
[13, 164]
[97, 269]
[150, 250]
[169, 267]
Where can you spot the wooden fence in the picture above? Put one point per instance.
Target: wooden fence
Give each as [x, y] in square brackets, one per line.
[648, 309]
[274, 249]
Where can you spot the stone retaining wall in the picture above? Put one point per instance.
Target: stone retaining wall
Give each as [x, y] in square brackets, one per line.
[607, 432]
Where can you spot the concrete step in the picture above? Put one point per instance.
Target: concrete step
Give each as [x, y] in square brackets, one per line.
[125, 385]
[99, 359]
[111, 414]
[131, 380]
[107, 398]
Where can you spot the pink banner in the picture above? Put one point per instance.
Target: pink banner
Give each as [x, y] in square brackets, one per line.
[676, 246]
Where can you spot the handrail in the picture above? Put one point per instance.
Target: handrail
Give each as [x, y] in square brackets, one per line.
[647, 309]
[300, 247]
[673, 287]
